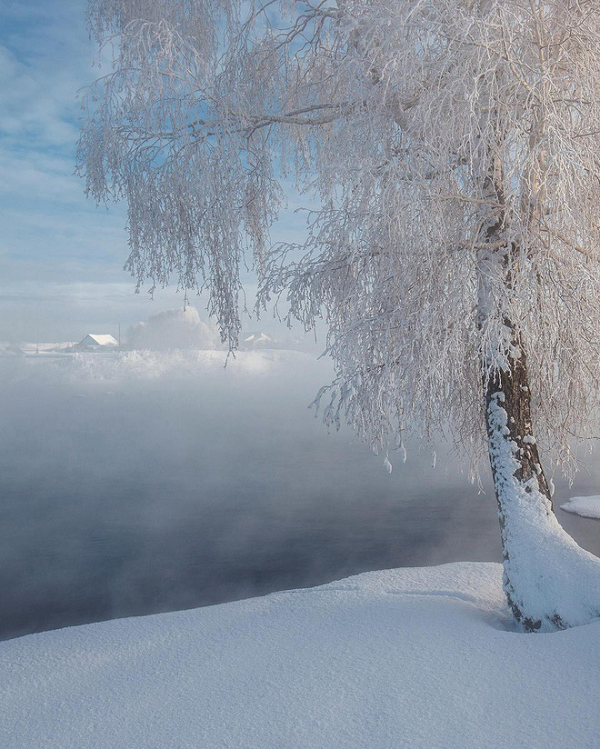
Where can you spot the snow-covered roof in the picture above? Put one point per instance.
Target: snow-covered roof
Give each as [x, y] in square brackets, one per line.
[258, 337]
[100, 339]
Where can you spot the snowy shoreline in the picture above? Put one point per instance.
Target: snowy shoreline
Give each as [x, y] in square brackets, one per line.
[586, 507]
[411, 658]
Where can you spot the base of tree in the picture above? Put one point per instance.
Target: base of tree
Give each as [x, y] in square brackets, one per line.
[551, 583]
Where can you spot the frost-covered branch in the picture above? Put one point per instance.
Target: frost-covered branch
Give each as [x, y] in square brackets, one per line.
[390, 116]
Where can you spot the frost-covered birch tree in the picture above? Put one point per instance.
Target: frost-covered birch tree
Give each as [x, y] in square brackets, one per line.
[453, 149]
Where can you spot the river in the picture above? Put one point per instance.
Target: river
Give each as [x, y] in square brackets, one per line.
[144, 488]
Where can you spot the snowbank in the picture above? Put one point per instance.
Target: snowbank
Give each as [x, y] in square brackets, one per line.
[587, 507]
[415, 658]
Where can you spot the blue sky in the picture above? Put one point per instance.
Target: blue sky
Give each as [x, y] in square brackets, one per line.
[61, 257]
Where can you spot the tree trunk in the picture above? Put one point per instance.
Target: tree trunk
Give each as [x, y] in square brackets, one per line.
[550, 582]
[516, 468]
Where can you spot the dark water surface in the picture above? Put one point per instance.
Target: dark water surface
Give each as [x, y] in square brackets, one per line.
[134, 493]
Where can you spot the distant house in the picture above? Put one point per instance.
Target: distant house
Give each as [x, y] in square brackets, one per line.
[95, 341]
[257, 340]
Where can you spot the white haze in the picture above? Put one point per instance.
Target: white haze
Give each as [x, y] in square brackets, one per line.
[150, 481]
[174, 329]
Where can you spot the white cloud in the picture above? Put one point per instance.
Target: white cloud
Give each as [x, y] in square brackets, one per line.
[52, 240]
[174, 328]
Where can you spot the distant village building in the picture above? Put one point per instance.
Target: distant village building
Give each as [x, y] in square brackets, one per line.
[95, 341]
[257, 340]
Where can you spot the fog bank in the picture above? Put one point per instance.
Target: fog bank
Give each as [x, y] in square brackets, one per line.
[150, 481]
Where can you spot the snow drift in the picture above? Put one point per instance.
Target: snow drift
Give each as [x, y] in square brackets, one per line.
[587, 507]
[414, 658]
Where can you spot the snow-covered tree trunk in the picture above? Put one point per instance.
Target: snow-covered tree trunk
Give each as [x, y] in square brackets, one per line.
[550, 582]
[522, 491]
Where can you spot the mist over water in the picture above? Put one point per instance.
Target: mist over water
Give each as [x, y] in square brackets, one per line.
[149, 482]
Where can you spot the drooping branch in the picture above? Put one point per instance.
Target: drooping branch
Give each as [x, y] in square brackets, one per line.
[385, 114]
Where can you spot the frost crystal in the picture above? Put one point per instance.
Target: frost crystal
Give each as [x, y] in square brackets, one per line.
[394, 118]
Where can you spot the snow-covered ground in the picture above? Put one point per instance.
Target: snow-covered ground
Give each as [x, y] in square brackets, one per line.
[422, 658]
[587, 507]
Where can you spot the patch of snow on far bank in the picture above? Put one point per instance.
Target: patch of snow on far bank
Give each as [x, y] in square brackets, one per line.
[182, 363]
[420, 658]
[587, 507]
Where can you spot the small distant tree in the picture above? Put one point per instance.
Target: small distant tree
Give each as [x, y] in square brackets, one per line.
[453, 147]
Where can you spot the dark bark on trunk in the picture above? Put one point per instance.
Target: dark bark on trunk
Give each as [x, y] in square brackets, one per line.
[514, 385]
